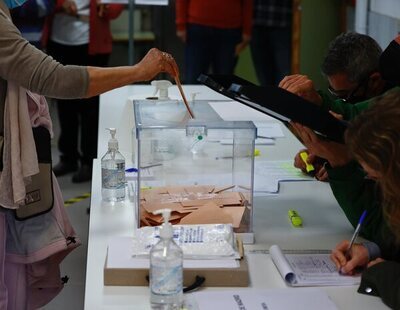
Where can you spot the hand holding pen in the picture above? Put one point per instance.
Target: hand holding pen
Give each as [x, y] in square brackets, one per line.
[348, 255]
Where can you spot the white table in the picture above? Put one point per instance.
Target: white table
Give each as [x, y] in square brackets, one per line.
[324, 222]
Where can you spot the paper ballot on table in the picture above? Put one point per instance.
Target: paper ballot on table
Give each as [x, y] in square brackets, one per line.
[309, 269]
[268, 174]
[256, 299]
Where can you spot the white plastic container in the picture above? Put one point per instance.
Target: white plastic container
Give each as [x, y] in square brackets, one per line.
[166, 269]
[113, 172]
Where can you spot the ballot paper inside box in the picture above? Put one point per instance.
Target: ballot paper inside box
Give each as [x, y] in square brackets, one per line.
[201, 179]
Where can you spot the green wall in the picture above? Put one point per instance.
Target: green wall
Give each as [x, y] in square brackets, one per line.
[319, 25]
[245, 67]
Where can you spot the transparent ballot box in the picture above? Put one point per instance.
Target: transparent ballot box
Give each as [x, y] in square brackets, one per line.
[201, 168]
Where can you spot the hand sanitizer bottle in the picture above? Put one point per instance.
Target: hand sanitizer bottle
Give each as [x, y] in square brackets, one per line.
[161, 88]
[113, 171]
[166, 269]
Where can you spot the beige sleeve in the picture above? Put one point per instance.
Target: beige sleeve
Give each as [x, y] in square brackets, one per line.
[29, 67]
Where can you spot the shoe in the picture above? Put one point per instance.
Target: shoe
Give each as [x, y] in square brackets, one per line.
[63, 168]
[84, 174]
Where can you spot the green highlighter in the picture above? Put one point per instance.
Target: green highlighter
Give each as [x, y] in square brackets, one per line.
[295, 218]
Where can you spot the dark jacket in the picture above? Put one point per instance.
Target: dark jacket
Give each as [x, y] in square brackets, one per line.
[383, 280]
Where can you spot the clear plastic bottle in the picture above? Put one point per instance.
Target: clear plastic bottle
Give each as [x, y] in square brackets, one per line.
[113, 172]
[166, 269]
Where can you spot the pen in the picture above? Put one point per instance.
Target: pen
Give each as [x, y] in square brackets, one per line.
[356, 232]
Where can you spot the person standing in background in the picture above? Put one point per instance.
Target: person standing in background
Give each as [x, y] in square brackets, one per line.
[215, 32]
[30, 17]
[271, 40]
[79, 34]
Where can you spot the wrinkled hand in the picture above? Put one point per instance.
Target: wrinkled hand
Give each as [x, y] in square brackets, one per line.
[302, 86]
[347, 265]
[335, 153]
[320, 172]
[181, 34]
[242, 45]
[70, 7]
[155, 62]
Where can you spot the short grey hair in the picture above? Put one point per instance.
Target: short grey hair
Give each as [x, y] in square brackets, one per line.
[356, 55]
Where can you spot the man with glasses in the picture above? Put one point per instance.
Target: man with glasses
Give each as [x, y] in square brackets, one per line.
[352, 67]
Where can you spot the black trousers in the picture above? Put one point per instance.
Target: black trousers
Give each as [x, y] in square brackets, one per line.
[79, 117]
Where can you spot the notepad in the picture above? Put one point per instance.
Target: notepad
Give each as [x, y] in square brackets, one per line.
[309, 269]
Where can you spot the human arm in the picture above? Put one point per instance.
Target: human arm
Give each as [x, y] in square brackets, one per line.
[319, 170]
[247, 18]
[382, 279]
[38, 72]
[105, 79]
[359, 256]
[302, 86]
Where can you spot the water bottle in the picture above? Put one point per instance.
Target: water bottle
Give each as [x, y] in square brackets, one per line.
[166, 269]
[113, 172]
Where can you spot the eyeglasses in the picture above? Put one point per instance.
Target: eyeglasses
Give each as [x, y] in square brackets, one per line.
[347, 95]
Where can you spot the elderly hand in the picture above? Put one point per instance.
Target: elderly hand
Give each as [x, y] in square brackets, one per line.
[302, 86]
[347, 265]
[320, 172]
[155, 62]
[336, 154]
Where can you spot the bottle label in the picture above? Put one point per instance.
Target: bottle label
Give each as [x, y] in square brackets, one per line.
[166, 280]
[113, 178]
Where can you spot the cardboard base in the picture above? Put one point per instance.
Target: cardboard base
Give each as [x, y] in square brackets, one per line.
[238, 277]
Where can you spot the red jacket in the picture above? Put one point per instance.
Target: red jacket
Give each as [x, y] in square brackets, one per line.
[224, 14]
[100, 39]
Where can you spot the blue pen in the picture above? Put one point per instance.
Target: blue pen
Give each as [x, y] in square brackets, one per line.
[131, 170]
[355, 235]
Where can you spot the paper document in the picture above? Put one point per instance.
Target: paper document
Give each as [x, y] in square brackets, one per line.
[257, 299]
[309, 269]
[236, 111]
[269, 129]
[268, 174]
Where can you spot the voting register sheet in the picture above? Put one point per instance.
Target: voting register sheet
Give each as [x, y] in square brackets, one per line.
[309, 269]
[257, 299]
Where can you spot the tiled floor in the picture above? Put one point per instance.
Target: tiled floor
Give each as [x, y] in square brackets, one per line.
[74, 265]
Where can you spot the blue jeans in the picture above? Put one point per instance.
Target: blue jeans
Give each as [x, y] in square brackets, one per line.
[270, 50]
[208, 46]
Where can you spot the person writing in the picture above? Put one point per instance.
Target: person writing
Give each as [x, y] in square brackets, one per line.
[373, 139]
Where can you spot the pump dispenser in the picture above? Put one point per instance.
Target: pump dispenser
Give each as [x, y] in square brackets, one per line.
[161, 88]
[113, 171]
[166, 269]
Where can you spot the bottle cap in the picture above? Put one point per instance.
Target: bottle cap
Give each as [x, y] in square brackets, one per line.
[166, 231]
[112, 143]
[162, 87]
